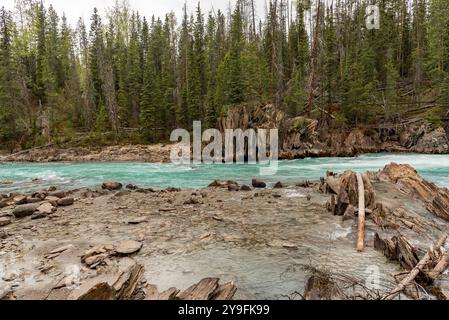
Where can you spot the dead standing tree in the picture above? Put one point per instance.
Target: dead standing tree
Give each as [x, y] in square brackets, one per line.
[313, 66]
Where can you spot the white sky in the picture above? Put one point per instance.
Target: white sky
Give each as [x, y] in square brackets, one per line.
[83, 8]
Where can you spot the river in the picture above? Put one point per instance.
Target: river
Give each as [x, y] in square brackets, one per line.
[31, 176]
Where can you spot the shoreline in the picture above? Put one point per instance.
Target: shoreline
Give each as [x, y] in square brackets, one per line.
[159, 154]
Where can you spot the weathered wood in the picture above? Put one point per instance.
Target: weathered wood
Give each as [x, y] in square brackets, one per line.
[415, 271]
[361, 227]
[441, 266]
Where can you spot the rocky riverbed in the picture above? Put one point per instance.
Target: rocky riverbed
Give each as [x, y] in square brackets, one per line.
[131, 243]
[157, 153]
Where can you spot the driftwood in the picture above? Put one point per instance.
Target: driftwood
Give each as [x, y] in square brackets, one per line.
[361, 227]
[442, 266]
[417, 269]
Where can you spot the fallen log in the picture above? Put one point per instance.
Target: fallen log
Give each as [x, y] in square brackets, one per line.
[361, 227]
[417, 270]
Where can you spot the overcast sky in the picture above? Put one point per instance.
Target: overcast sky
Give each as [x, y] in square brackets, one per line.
[83, 8]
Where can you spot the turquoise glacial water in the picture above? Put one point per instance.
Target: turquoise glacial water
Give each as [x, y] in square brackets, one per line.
[32, 176]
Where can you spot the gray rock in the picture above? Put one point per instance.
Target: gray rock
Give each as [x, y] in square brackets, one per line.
[245, 188]
[259, 184]
[25, 210]
[68, 201]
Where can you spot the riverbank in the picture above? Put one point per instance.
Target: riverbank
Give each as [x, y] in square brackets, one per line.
[299, 138]
[157, 153]
[258, 239]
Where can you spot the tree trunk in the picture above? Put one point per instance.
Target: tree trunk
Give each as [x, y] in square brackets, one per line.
[361, 228]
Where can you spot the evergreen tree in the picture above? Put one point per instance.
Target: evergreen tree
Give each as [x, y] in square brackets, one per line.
[8, 91]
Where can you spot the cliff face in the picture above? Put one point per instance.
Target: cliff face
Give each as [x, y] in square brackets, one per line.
[302, 137]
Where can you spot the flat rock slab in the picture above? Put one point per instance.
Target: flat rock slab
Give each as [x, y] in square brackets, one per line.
[128, 247]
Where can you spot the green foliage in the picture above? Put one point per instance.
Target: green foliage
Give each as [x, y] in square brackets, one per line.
[129, 74]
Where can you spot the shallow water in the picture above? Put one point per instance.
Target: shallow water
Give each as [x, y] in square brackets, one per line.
[30, 176]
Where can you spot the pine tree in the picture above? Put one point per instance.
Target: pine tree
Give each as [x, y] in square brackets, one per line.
[8, 91]
[236, 90]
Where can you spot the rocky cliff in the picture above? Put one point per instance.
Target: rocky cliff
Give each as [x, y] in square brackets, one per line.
[302, 137]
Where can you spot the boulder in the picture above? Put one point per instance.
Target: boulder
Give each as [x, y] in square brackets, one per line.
[259, 184]
[64, 202]
[112, 186]
[25, 210]
[4, 221]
